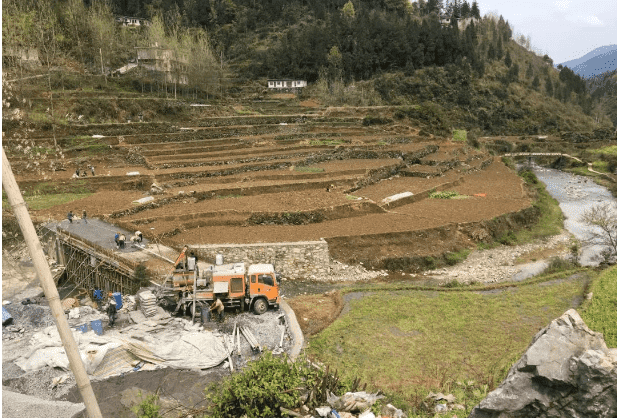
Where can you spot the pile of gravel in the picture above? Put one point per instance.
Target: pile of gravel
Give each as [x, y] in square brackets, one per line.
[344, 272]
[39, 383]
[266, 328]
[26, 318]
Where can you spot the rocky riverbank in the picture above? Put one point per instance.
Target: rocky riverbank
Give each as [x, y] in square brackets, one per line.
[502, 263]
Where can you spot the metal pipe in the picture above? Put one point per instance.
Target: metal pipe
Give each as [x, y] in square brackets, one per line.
[51, 293]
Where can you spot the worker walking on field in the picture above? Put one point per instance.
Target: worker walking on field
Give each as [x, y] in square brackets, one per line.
[84, 216]
[121, 241]
[69, 216]
[218, 306]
[117, 239]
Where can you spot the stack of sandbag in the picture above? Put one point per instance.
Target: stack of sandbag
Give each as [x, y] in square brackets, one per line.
[147, 302]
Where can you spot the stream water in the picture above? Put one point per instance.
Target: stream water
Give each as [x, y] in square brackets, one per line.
[575, 195]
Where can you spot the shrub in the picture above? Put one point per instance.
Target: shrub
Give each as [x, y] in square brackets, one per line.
[453, 283]
[446, 194]
[265, 386]
[508, 162]
[557, 264]
[148, 408]
[457, 257]
[528, 176]
[459, 135]
[508, 238]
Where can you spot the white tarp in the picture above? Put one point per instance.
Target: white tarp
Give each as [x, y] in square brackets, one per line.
[194, 350]
[143, 200]
[48, 350]
[169, 343]
[396, 197]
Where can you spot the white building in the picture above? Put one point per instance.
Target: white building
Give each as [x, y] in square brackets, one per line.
[132, 21]
[284, 84]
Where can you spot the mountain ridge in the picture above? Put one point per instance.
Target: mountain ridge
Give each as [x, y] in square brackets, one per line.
[598, 61]
[592, 54]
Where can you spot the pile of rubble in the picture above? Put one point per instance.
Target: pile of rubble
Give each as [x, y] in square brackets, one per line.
[27, 316]
[350, 405]
[343, 272]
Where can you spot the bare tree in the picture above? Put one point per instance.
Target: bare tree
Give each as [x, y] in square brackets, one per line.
[603, 219]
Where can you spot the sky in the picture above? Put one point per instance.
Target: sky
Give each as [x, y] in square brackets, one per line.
[563, 29]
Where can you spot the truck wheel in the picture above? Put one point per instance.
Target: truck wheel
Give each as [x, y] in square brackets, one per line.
[260, 306]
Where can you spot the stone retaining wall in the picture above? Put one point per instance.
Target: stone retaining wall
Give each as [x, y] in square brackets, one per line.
[292, 259]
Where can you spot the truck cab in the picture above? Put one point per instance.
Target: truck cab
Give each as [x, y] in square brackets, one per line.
[263, 287]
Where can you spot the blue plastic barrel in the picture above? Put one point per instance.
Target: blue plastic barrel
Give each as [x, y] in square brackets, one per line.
[118, 298]
[97, 326]
[6, 316]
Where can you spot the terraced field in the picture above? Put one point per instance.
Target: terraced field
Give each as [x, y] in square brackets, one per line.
[285, 176]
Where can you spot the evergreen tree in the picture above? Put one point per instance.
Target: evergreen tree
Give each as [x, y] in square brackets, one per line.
[535, 84]
[508, 59]
[475, 10]
[491, 54]
[456, 9]
[465, 10]
[548, 87]
[513, 73]
[529, 72]
[433, 6]
[499, 49]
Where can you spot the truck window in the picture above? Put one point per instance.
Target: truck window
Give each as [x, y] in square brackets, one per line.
[253, 279]
[265, 279]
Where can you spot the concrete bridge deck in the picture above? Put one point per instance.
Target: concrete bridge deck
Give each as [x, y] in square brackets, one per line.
[93, 260]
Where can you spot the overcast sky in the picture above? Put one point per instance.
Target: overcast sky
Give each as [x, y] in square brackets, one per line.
[563, 29]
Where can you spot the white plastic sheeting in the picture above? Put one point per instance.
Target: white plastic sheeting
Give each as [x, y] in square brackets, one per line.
[175, 344]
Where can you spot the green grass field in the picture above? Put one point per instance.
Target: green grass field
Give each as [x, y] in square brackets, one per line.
[46, 195]
[408, 342]
[610, 150]
[601, 313]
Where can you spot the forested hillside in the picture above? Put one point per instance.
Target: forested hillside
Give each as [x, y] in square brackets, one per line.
[454, 68]
[603, 90]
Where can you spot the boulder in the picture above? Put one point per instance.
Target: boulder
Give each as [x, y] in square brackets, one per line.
[567, 371]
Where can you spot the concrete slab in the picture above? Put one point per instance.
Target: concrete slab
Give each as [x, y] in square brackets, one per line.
[99, 232]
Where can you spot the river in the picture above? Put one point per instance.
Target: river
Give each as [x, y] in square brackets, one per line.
[575, 195]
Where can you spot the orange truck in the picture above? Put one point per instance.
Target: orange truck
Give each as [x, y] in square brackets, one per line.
[191, 284]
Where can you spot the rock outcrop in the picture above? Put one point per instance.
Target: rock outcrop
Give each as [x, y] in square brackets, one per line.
[567, 371]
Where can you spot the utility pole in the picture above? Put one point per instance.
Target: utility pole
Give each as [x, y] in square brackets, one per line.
[51, 293]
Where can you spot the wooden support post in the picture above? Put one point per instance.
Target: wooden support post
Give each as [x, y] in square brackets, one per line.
[51, 293]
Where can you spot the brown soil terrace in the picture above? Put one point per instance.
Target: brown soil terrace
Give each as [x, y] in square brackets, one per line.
[219, 173]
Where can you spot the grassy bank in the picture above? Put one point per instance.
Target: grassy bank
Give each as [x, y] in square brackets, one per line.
[461, 341]
[600, 314]
[46, 195]
[551, 219]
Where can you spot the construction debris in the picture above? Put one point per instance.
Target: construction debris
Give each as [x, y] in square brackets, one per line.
[353, 401]
[147, 303]
[250, 338]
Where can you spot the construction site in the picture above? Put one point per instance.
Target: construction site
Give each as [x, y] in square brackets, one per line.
[303, 192]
